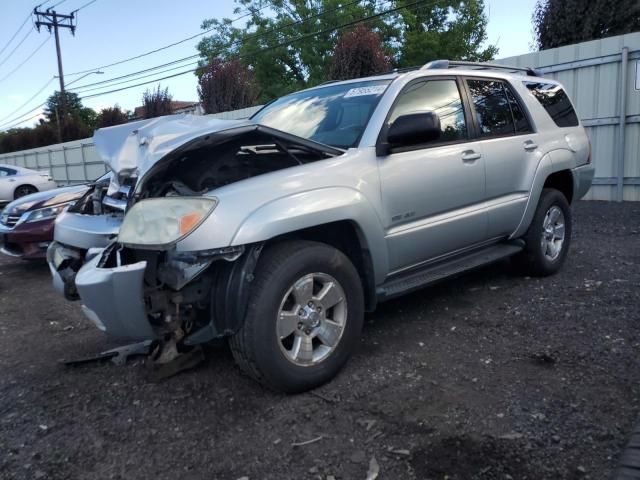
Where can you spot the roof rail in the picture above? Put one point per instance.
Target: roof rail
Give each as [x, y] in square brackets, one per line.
[445, 64]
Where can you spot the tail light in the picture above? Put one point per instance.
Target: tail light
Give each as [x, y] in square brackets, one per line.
[589, 156]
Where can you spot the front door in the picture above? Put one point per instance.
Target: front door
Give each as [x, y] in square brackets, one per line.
[432, 193]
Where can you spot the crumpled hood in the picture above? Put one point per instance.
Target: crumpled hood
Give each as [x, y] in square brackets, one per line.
[45, 199]
[132, 148]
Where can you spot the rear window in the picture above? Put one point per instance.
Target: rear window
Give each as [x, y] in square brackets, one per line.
[555, 101]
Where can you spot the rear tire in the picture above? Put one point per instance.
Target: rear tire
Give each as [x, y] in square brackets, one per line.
[24, 190]
[304, 317]
[549, 236]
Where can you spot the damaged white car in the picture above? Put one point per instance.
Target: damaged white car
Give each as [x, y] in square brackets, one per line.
[280, 232]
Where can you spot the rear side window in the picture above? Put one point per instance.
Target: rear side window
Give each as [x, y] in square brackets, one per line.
[555, 101]
[497, 110]
[6, 172]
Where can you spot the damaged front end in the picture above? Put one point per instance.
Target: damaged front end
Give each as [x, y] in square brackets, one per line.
[173, 274]
[191, 298]
[82, 231]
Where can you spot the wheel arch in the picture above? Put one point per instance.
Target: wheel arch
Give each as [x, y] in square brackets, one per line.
[347, 237]
[24, 185]
[549, 174]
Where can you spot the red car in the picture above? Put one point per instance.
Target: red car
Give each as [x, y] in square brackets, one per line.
[26, 224]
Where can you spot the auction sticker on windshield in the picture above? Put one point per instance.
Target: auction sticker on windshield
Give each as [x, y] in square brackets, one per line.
[361, 91]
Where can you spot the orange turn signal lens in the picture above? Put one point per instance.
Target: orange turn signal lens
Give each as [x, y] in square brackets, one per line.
[189, 221]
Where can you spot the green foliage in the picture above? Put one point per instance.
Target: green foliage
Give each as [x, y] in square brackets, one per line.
[565, 22]
[65, 119]
[290, 44]
[111, 116]
[156, 102]
[447, 29]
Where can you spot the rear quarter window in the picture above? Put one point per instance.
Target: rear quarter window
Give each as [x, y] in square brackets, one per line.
[555, 101]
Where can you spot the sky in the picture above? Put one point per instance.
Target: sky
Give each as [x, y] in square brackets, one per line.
[111, 30]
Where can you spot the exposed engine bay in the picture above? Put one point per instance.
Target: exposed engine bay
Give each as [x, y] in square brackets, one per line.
[190, 294]
[215, 162]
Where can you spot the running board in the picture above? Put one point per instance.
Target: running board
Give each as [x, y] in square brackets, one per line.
[427, 275]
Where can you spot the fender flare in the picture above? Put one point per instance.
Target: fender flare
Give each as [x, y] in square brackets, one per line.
[552, 162]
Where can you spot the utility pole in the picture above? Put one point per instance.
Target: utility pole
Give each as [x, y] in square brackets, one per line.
[52, 19]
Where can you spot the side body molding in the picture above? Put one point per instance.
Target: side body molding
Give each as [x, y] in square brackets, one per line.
[318, 207]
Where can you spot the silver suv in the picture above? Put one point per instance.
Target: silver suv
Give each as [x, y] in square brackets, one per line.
[281, 231]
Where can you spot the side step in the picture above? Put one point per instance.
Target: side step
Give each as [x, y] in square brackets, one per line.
[435, 272]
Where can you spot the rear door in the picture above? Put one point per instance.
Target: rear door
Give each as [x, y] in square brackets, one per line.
[510, 150]
[432, 193]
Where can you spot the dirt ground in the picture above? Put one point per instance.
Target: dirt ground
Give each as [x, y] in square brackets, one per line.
[488, 376]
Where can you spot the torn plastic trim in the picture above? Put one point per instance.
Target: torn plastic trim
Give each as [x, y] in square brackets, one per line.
[181, 268]
[229, 297]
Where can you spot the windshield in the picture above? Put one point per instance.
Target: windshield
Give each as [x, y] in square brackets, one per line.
[335, 115]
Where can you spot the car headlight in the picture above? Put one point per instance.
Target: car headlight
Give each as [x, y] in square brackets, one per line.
[158, 222]
[47, 213]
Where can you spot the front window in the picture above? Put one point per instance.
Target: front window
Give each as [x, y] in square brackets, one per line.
[335, 115]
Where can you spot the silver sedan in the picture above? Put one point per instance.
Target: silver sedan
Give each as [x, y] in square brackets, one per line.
[16, 182]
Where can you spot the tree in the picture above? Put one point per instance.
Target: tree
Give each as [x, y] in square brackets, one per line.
[358, 53]
[292, 46]
[226, 86]
[111, 116]
[564, 22]
[454, 30]
[156, 102]
[69, 117]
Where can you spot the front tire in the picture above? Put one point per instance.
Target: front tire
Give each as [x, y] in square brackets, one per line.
[304, 317]
[549, 235]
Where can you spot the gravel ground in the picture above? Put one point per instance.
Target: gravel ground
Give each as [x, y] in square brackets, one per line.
[488, 376]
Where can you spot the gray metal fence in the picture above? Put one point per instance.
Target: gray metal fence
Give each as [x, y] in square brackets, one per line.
[77, 161]
[603, 79]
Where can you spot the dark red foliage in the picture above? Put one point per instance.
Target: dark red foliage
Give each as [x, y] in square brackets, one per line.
[358, 53]
[226, 85]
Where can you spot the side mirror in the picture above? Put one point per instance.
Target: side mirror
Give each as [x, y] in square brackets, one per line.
[412, 129]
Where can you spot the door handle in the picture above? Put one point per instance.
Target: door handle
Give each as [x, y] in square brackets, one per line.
[12, 179]
[470, 156]
[529, 146]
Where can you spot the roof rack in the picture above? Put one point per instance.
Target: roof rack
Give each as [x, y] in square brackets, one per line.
[445, 64]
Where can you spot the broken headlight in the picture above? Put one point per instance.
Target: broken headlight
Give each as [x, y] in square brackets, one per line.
[158, 222]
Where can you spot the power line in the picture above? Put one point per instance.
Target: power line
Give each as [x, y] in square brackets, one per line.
[54, 6]
[281, 44]
[22, 121]
[25, 60]
[150, 52]
[229, 45]
[84, 6]
[10, 122]
[16, 47]
[132, 79]
[80, 87]
[301, 37]
[15, 34]
[27, 102]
